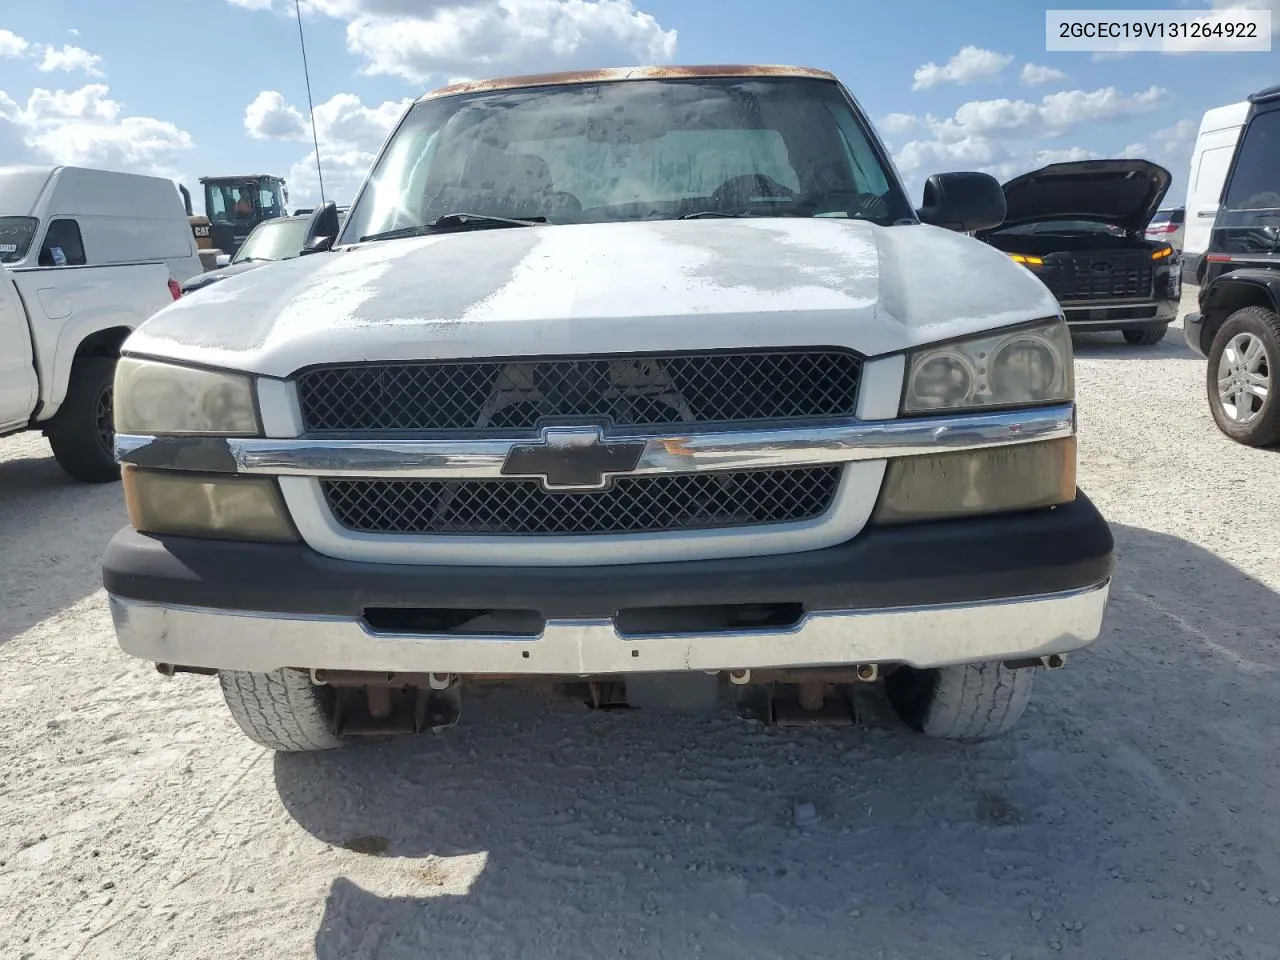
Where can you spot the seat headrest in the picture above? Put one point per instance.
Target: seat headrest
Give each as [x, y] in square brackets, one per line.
[480, 166]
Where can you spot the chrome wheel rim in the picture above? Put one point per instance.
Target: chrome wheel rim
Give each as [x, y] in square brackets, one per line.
[1244, 378]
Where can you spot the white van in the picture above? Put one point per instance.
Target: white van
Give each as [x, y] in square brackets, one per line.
[1215, 144]
[53, 216]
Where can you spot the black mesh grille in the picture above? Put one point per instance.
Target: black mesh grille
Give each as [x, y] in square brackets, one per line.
[691, 501]
[1099, 276]
[631, 390]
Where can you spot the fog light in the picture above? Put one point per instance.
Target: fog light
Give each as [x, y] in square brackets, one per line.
[198, 505]
[972, 482]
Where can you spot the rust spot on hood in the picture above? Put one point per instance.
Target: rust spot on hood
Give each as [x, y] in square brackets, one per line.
[628, 73]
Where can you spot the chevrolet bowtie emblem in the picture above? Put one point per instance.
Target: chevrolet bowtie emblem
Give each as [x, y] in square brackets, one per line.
[573, 458]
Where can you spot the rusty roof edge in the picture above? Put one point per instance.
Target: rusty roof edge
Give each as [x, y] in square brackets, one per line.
[614, 74]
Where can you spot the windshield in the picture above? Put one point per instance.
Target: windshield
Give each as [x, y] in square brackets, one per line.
[16, 234]
[273, 240]
[632, 150]
[239, 201]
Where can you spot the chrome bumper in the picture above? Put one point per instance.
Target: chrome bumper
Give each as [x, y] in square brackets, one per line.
[1085, 313]
[922, 636]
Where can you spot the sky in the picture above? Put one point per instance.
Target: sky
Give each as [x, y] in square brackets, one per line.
[191, 88]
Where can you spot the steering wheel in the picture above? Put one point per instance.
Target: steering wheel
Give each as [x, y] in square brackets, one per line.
[738, 191]
[562, 203]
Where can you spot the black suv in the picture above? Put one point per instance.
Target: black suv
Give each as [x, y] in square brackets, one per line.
[1238, 326]
[1079, 226]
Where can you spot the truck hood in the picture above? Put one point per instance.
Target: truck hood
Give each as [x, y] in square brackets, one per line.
[599, 288]
[202, 280]
[1126, 193]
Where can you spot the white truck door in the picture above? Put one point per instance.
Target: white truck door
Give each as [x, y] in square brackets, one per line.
[18, 386]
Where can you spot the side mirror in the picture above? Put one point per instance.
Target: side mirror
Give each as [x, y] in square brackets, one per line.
[323, 229]
[222, 260]
[316, 245]
[965, 202]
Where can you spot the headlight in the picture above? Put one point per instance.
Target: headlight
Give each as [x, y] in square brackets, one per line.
[157, 398]
[1017, 367]
[969, 483]
[192, 505]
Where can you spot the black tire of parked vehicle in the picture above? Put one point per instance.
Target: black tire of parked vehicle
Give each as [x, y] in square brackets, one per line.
[1145, 337]
[76, 432]
[969, 702]
[281, 710]
[1264, 429]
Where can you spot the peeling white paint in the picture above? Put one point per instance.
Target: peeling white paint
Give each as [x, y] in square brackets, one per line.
[656, 285]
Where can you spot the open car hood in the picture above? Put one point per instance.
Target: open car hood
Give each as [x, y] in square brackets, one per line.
[1126, 193]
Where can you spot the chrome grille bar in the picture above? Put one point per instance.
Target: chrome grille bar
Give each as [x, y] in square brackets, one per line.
[839, 441]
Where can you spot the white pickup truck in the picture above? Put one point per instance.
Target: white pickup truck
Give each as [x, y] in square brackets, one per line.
[649, 383]
[60, 334]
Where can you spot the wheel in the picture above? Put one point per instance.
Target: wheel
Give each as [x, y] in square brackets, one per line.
[82, 434]
[1145, 336]
[282, 710]
[1244, 353]
[972, 701]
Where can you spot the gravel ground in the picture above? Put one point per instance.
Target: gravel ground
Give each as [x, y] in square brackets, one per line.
[1132, 815]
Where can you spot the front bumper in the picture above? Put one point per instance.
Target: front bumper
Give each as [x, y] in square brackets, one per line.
[1120, 315]
[994, 588]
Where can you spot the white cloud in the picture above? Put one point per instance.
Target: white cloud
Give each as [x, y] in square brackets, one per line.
[970, 65]
[1174, 145]
[12, 45]
[1054, 115]
[1033, 75]
[1067, 109]
[937, 156]
[424, 40]
[1042, 158]
[1134, 151]
[1184, 131]
[1272, 5]
[87, 127]
[509, 36]
[70, 59]
[349, 132]
[268, 117]
[1007, 137]
[897, 123]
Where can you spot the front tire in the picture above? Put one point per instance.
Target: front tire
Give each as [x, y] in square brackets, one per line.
[281, 710]
[967, 702]
[82, 434]
[1243, 358]
[1145, 336]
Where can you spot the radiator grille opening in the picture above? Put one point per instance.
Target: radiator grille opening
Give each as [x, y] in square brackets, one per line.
[640, 504]
[520, 394]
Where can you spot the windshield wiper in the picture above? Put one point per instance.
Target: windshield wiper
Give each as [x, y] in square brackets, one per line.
[483, 220]
[704, 214]
[454, 221]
